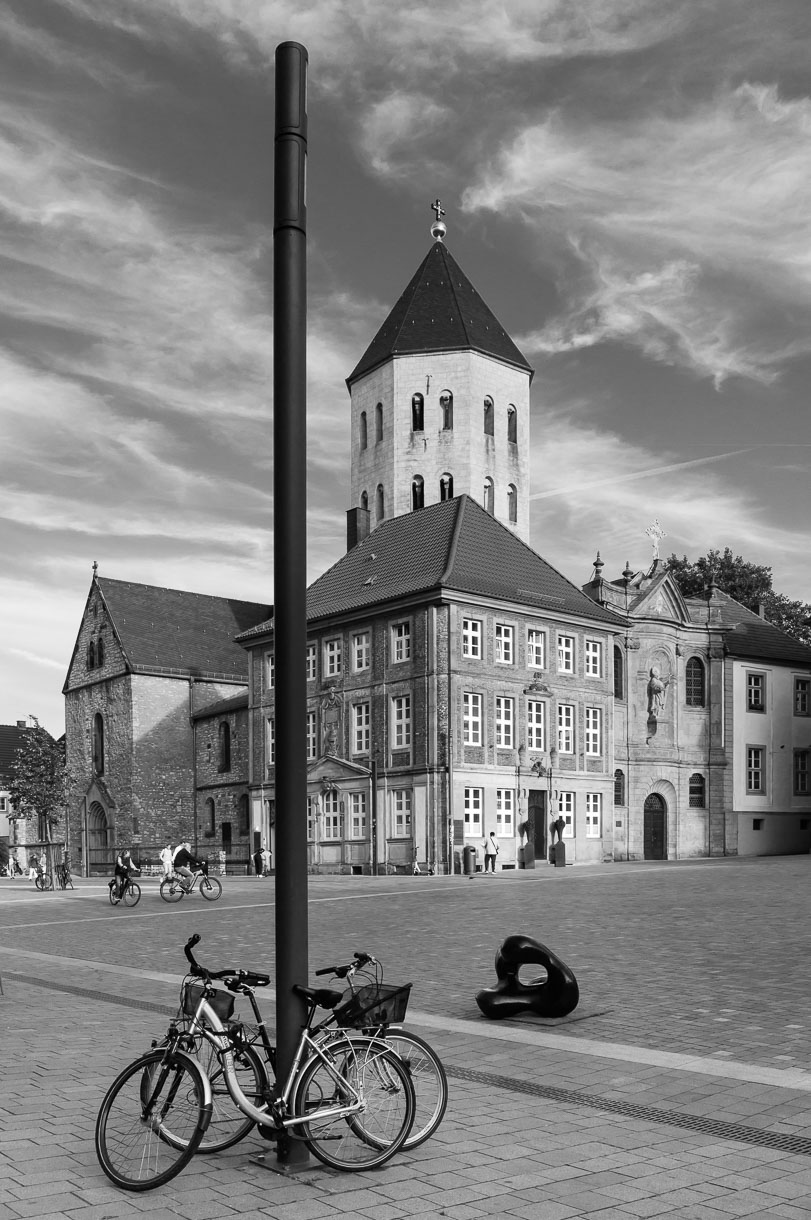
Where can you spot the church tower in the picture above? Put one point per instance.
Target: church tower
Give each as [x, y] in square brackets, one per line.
[439, 404]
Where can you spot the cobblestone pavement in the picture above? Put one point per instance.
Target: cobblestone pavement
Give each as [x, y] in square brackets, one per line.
[679, 1087]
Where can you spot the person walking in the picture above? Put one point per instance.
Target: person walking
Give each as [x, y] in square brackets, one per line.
[166, 858]
[490, 852]
[257, 861]
[267, 860]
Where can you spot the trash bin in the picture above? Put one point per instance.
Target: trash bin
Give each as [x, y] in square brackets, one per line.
[559, 851]
[469, 857]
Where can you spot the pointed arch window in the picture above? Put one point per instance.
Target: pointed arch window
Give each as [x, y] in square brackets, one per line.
[364, 500]
[489, 426]
[379, 423]
[446, 408]
[446, 487]
[417, 492]
[512, 503]
[98, 743]
[364, 431]
[619, 673]
[489, 496]
[91, 655]
[380, 503]
[417, 412]
[512, 424]
[694, 682]
[225, 746]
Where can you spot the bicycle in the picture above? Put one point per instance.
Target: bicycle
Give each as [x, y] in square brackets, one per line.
[173, 888]
[63, 877]
[129, 892]
[350, 1100]
[43, 880]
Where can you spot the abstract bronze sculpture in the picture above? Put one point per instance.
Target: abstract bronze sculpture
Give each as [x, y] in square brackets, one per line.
[555, 996]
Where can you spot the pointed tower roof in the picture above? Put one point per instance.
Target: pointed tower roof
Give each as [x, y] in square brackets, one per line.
[439, 311]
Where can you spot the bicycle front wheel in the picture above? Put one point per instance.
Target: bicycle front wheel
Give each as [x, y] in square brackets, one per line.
[362, 1071]
[152, 1120]
[171, 890]
[429, 1080]
[132, 894]
[228, 1124]
[210, 888]
[114, 896]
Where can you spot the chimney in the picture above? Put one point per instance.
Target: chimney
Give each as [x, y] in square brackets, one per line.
[357, 526]
[21, 724]
[761, 610]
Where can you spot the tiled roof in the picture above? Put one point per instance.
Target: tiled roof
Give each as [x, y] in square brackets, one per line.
[170, 630]
[236, 703]
[452, 547]
[749, 635]
[439, 311]
[11, 738]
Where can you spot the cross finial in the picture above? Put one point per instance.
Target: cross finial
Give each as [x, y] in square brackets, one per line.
[656, 534]
[438, 208]
[95, 569]
[438, 229]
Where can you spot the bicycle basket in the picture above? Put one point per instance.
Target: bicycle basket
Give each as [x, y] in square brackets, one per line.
[375, 1004]
[220, 1001]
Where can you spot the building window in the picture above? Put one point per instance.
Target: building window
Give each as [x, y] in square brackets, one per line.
[225, 746]
[489, 496]
[270, 670]
[694, 682]
[401, 813]
[594, 815]
[311, 654]
[536, 648]
[361, 728]
[400, 643]
[594, 659]
[755, 778]
[379, 423]
[364, 501]
[332, 816]
[512, 424]
[757, 823]
[361, 651]
[446, 487]
[98, 744]
[270, 741]
[401, 722]
[755, 692]
[802, 697]
[801, 784]
[488, 417]
[380, 503]
[210, 820]
[505, 639]
[312, 737]
[357, 815]
[565, 654]
[364, 434]
[473, 811]
[594, 718]
[446, 409]
[472, 719]
[566, 728]
[619, 787]
[566, 811]
[512, 503]
[312, 818]
[243, 820]
[619, 674]
[505, 813]
[536, 725]
[505, 720]
[697, 798]
[332, 658]
[417, 493]
[417, 413]
[472, 638]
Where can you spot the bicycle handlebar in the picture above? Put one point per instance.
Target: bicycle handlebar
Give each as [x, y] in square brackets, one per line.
[340, 972]
[233, 978]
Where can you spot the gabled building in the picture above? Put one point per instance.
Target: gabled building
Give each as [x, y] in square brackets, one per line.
[11, 738]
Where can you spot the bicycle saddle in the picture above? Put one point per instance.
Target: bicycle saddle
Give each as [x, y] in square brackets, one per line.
[324, 997]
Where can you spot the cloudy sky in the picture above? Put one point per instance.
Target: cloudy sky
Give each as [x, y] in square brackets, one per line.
[626, 182]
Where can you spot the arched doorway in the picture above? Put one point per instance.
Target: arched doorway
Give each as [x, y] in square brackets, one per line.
[655, 814]
[98, 837]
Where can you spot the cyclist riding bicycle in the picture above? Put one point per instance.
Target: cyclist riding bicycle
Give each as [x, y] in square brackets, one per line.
[185, 863]
[124, 865]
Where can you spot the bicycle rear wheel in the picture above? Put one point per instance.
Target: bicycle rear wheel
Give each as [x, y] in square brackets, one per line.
[429, 1081]
[362, 1070]
[210, 888]
[152, 1120]
[171, 890]
[114, 896]
[132, 894]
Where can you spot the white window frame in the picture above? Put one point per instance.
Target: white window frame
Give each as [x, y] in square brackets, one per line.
[566, 655]
[361, 651]
[756, 767]
[566, 808]
[505, 722]
[357, 815]
[536, 724]
[536, 648]
[332, 817]
[802, 696]
[472, 718]
[402, 807]
[312, 653]
[594, 815]
[474, 808]
[270, 741]
[400, 643]
[270, 670]
[362, 727]
[312, 736]
[472, 638]
[594, 731]
[505, 644]
[755, 680]
[593, 659]
[801, 772]
[400, 722]
[333, 661]
[312, 819]
[505, 813]
[566, 726]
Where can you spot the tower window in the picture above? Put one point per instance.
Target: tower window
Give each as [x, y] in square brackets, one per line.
[364, 435]
[379, 423]
[512, 502]
[512, 424]
[98, 744]
[364, 500]
[417, 406]
[489, 495]
[417, 492]
[91, 655]
[380, 503]
[225, 746]
[446, 487]
[488, 416]
[446, 407]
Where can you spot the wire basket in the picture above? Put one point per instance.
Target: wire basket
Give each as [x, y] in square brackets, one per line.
[221, 1001]
[373, 1005]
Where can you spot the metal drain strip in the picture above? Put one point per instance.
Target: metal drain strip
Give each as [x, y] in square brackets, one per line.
[90, 994]
[797, 1144]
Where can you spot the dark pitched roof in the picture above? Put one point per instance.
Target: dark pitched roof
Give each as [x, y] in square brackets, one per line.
[11, 738]
[173, 631]
[439, 311]
[747, 634]
[236, 703]
[452, 547]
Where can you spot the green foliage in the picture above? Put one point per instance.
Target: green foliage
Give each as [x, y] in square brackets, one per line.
[749, 583]
[38, 782]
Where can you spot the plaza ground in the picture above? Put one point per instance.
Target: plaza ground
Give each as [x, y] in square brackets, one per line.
[680, 1086]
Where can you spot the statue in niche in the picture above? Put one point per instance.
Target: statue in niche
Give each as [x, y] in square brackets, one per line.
[331, 709]
[657, 693]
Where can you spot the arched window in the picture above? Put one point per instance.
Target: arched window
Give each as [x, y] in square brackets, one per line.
[225, 746]
[446, 407]
[488, 416]
[446, 487]
[619, 673]
[619, 787]
[210, 822]
[380, 503]
[98, 744]
[489, 495]
[100, 653]
[379, 422]
[91, 655]
[364, 500]
[364, 433]
[694, 683]
[512, 424]
[242, 813]
[417, 492]
[512, 502]
[697, 791]
[417, 405]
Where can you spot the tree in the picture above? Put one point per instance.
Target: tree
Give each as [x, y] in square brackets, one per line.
[749, 583]
[38, 780]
